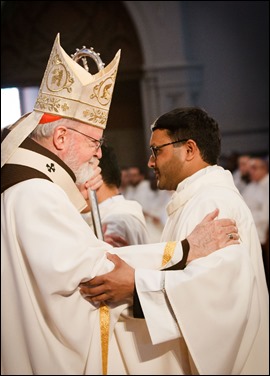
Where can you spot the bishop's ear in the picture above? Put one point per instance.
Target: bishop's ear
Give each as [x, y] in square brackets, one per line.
[60, 137]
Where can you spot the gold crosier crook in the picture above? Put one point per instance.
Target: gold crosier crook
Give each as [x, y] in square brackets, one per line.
[104, 312]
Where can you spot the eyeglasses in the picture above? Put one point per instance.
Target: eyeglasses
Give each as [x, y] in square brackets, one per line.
[98, 143]
[155, 149]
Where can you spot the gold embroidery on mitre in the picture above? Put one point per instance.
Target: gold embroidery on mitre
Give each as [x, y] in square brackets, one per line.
[97, 116]
[103, 91]
[59, 77]
[51, 104]
[69, 90]
[65, 107]
[48, 103]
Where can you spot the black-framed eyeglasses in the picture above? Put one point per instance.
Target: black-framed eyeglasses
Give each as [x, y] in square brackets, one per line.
[155, 149]
[98, 143]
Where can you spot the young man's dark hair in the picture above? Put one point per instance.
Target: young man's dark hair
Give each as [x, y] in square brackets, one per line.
[110, 170]
[193, 123]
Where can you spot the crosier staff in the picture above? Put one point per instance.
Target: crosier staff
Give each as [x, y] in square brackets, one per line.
[82, 54]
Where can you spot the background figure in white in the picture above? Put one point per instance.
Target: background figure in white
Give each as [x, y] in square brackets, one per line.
[153, 201]
[155, 208]
[256, 195]
[138, 185]
[241, 174]
[122, 217]
[124, 180]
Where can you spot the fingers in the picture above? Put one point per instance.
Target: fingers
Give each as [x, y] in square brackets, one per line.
[96, 290]
[91, 297]
[95, 184]
[230, 232]
[97, 299]
[92, 283]
[96, 172]
[233, 239]
[95, 181]
[91, 291]
[211, 216]
[231, 229]
[224, 222]
[115, 240]
[232, 236]
[114, 258]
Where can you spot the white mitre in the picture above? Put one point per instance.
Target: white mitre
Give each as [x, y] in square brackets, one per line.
[67, 90]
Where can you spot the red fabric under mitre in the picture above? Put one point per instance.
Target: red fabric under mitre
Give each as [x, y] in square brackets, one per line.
[48, 118]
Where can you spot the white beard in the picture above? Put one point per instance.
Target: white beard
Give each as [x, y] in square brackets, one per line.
[82, 172]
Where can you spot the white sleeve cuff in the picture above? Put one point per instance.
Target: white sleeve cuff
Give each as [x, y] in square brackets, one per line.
[154, 302]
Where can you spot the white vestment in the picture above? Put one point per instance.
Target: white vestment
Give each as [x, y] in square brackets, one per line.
[122, 217]
[256, 196]
[219, 303]
[47, 250]
[47, 328]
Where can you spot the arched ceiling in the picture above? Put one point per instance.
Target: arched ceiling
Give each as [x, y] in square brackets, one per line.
[29, 29]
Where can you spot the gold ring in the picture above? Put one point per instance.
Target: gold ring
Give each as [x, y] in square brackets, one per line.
[230, 236]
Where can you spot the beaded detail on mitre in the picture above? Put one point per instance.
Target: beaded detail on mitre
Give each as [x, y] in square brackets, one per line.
[69, 90]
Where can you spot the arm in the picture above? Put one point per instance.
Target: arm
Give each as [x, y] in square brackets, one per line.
[118, 285]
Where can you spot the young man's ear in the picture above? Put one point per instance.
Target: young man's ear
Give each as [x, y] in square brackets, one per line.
[191, 148]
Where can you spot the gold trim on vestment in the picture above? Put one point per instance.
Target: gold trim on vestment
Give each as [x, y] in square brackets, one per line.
[168, 252]
[104, 317]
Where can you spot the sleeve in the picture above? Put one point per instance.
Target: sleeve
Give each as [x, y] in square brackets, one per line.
[186, 303]
[150, 287]
[156, 307]
[137, 309]
[214, 300]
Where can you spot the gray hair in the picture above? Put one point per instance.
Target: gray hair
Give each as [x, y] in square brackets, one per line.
[47, 129]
